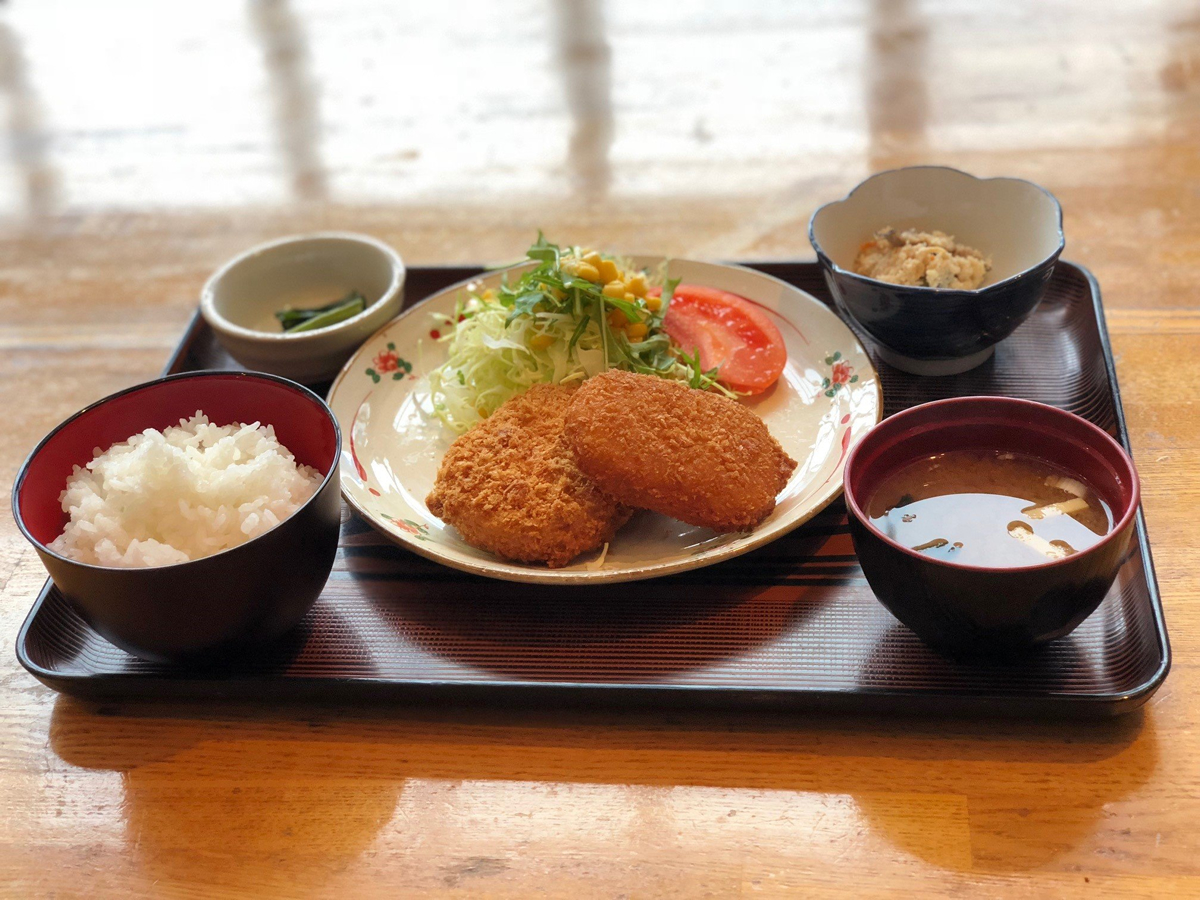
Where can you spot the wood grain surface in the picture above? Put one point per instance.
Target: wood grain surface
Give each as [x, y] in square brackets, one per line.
[144, 144]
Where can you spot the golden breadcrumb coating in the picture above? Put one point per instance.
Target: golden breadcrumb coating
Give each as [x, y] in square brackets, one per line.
[689, 454]
[510, 485]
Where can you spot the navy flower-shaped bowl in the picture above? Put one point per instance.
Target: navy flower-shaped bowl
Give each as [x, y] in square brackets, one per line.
[939, 331]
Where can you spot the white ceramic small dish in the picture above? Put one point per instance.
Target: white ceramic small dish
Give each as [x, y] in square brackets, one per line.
[938, 331]
[826, 399]
[241, 298]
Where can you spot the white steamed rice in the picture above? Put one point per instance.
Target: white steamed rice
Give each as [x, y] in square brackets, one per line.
[183, 493]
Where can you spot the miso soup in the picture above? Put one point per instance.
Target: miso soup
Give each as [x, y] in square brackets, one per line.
[989, 508]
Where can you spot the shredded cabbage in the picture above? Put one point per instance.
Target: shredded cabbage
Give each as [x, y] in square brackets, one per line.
[490, 361]
[552, 325]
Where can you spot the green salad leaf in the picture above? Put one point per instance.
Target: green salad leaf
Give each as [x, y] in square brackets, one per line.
[555, 323]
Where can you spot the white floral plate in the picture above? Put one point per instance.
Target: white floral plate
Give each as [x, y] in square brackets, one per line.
[826, 399]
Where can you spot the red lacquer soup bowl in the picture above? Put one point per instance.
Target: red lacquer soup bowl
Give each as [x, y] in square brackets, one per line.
[963, 609]
[247, 595]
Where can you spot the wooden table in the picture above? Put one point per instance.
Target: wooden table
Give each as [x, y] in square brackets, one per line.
[143, 146]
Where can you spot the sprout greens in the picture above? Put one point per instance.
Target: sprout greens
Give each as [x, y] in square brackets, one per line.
[552, 325]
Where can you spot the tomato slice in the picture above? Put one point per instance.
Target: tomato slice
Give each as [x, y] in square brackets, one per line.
[731, 333]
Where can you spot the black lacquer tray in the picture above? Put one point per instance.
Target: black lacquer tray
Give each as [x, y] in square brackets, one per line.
[792, 625]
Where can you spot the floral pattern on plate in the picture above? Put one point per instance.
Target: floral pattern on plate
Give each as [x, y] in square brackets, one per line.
[841, 373]
[389, 362]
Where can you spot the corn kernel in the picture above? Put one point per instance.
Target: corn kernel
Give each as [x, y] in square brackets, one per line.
[636, 331]
[588, 272]
[541, 341]
[616, 319]
[580, 268]
[637, 284]
[630, 297]
[654, 304]
[592, 258]
[608, 270]
[615, 289]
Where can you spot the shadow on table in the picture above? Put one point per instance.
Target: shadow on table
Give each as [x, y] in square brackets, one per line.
[651, 630]
[598, 635]
[222, 795]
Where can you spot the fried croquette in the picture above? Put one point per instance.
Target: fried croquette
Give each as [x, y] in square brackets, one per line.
[689, 454]
[510, 485]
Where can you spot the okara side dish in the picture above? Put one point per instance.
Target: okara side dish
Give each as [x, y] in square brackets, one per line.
[180, 494]
[922, 259]
[989, 508]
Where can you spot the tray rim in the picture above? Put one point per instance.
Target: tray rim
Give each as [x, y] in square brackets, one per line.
[309, 688]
